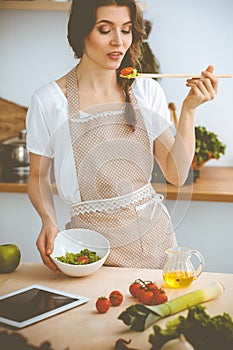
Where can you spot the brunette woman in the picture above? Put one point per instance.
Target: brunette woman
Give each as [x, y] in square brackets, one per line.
[102, 133]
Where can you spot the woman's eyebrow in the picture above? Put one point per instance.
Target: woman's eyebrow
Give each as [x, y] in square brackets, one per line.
[109, 22]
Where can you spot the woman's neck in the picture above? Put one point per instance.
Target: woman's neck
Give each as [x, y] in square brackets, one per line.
[96, 79]
[97, 86]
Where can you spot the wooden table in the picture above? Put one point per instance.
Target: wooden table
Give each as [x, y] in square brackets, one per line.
[82, 328]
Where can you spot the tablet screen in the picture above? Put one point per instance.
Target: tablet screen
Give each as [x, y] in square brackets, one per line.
[35, 303]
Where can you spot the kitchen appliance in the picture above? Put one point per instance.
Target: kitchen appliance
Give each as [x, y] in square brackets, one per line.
[14, 159]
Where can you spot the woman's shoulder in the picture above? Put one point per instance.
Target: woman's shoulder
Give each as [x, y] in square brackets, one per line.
[50, 90]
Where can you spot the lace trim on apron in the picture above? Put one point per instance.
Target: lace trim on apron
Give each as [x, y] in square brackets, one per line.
[87, 117]
[125, 201]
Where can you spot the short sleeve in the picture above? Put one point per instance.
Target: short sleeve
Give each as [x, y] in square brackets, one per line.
[38, 135]
[153, 103]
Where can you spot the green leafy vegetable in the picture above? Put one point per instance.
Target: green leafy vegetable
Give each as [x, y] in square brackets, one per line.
[139, 316]
[77, 259]
[200, 330]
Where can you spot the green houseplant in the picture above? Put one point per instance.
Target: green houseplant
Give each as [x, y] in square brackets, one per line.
[208, 146]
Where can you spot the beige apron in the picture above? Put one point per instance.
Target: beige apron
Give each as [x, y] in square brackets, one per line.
[113, 167]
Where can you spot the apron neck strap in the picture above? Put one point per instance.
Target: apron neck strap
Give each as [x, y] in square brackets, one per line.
[72, 93]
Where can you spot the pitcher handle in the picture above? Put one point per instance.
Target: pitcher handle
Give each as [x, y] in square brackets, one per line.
[200, 269]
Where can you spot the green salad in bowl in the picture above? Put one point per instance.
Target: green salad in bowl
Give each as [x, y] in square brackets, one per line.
[80, 252]
[85, 256]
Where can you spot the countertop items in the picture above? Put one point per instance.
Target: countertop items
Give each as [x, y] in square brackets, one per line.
[12, 118]
[214, 185]
[83, 327]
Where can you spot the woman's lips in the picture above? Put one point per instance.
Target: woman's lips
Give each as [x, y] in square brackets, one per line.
[115, 55]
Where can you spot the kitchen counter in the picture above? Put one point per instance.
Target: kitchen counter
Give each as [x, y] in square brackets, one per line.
[82, 328]
[214, 185]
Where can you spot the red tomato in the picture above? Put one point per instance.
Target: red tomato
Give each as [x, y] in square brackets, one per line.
[146, 296]
[127, 71]
[83, 259]
[115, 298]
[133, 288]
[160, 296]
[151, 285]
[102, 304]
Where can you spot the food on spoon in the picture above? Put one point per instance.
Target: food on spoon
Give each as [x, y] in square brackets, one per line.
[84, 257]
[128, 73]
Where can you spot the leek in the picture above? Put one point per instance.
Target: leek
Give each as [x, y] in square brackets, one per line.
[139, 316]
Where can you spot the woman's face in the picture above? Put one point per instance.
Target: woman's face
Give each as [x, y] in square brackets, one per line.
[110, 37]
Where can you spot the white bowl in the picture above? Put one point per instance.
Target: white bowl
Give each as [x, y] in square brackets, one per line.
[73, 241]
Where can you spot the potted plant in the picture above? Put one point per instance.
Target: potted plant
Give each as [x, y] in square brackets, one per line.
[208, 146]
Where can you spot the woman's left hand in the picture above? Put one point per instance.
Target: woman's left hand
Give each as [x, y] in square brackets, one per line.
[202, 89]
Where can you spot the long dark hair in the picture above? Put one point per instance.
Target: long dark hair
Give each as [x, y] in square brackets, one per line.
[81, 22]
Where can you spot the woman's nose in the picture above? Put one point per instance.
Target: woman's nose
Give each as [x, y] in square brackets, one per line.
[117, 38]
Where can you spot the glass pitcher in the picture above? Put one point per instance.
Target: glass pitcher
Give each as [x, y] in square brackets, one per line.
[178, 271]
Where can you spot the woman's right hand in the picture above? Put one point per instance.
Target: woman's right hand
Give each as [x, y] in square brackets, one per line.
[45, 244]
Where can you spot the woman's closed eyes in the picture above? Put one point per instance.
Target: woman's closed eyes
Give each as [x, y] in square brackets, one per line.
[105, 27]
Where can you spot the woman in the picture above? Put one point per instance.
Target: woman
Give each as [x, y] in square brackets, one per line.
[102, 131]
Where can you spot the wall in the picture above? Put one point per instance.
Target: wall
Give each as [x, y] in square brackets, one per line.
[186, 37]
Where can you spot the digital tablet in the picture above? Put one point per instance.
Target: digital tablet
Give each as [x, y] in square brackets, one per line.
[35, 303]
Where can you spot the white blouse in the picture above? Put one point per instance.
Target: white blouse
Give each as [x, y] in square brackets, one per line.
[48, 128]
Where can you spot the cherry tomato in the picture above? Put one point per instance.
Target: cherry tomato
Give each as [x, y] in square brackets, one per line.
[151, 285]
[146, 296]
[115, 298]
[102, 304]
[127, 71]
[160, 296]
[83, 259]
[133, 288]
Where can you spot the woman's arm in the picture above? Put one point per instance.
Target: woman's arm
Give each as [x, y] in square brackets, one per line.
[175, 155]
[41, 196]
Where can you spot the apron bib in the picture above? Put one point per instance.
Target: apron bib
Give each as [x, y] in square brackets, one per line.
[113, 167]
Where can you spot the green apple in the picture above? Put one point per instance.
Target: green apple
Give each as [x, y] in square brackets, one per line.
[9, 257]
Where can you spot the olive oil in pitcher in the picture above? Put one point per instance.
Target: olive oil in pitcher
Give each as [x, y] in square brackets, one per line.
[178, 271]
[178, 279]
